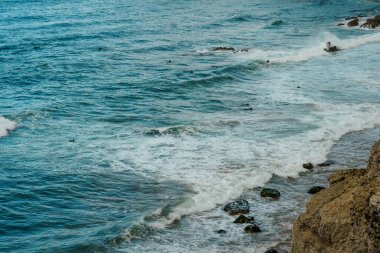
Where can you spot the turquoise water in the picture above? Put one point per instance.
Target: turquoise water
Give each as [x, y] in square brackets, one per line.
[127, 132]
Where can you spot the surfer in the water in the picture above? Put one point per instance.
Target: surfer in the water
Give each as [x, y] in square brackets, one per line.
[330, 48]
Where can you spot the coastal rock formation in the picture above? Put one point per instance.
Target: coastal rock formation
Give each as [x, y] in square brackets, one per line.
[346, 216]
[372, 22]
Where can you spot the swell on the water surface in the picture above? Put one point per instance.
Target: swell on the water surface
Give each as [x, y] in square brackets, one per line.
[6, 126]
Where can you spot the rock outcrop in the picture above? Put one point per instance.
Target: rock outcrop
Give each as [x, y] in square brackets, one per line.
[344, 217]
[372, 22]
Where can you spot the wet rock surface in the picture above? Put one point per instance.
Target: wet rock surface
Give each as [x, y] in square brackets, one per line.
[270, 193]
[244, 219]
[252, 228]
[240, 206]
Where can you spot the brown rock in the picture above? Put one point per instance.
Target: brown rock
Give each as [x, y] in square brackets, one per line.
[354, 22]
[308, 166]
[346, 216]
[372, 22]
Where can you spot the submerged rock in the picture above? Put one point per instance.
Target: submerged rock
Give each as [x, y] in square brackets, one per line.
[271, 193]
[253, 228]
[221, 231]
[244, 219]
[325, 164]
[308, 166]
[316, 189]
[223, 49]
[272, 250]
[240, 206]
[346, 216]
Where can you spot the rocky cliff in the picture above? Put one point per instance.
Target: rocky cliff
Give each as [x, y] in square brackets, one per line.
[344, 217]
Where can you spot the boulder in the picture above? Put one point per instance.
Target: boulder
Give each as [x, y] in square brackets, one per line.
[344, 217]
[316, 189]
[271, 193]
[244, 219]
[354, 22]
[240, 206]
[308, 166]
[253, 228]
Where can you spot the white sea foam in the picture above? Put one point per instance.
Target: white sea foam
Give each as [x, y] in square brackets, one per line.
[221, 168]
[312, 49]
[6, 125]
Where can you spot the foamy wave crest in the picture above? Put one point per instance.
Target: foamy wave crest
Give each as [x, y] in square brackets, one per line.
[317, 49]
[6, 125]
[312, 50]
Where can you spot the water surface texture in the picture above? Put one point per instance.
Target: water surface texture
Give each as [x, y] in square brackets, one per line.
[121, 130]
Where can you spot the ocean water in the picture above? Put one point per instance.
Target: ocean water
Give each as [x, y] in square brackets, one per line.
[121, 130]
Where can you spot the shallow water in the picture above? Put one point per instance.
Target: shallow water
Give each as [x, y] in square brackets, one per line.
[122, 130]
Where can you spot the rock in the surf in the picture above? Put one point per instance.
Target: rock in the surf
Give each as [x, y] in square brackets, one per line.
[224, 49]
[354, 22]
[271, 250]
[240, 206]
[372, 22]
[252, 228]
[221, 231]
[270, 193]
[244, 219]
[308, 166]
[326, 164]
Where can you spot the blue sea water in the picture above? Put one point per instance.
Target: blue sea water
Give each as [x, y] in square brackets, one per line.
[121, 130]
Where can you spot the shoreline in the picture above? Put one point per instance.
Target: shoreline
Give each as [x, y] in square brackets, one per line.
[351, 151]
[345, 216]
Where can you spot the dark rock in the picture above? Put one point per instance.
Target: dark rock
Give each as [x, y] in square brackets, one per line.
[253, 228]
[298, 87]
[72, 140]
[244, 50]
[272, 193]
[316, 189]
[221, 231]
[277, 22]
[223, 49]
[240, 206]
[340, 24]
[272, 250]
[372, 22]
[169, 61]
[354, 22]
[244, 219]
[153, 132]
[267, 61]
[308, 166]
[325, 164]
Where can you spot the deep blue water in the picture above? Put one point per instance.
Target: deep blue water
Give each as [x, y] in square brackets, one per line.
[127, 120]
